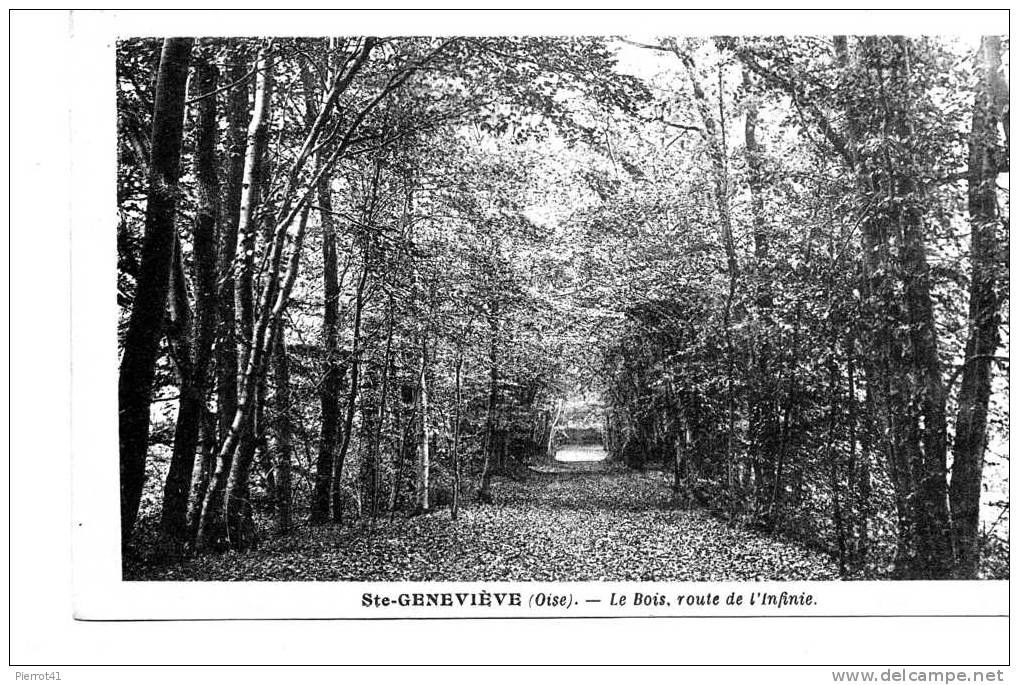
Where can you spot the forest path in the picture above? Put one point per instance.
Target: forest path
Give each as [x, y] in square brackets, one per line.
[577, 522]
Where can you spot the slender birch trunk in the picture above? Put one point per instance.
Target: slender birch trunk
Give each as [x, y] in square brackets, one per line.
[212, 525]
[235, 142]
[458, 399]
[485, 491]
[423, 464]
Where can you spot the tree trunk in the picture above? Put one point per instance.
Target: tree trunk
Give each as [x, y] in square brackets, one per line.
[989, 268]
[859, 467]
[904, 372]
[238, 498]
[423, 464]
[235, 143]
[330, 387]
[864, 485]
[681, 453]
[141, 343]
[458, 399]
[275, 295]
[202, 475]
[212, 528]
[715, 138]
[883, 354]
[329, 390]
[237, 509]
[764, 418]
[935, 556]
[485, 491]
[401, 458]
[834, 477]
[193, 390]
[284, 435]
[376, 439]
[355, 368]
[550, 448]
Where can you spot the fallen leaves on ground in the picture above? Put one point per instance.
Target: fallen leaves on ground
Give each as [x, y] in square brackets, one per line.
[566, 523]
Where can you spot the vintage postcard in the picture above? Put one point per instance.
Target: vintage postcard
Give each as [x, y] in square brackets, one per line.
[616, 316]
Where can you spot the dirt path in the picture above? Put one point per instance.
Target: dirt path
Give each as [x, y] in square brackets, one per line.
[573, 522]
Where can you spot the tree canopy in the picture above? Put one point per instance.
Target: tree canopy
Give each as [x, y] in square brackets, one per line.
[367, 277]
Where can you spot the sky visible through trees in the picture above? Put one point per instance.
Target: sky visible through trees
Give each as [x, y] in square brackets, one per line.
[370, 287]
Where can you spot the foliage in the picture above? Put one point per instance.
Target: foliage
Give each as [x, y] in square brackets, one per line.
[539, 240]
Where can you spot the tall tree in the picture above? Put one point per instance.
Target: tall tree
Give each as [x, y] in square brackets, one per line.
[280, 276]
[903, 369]
[375, 437]
[330, 386]
[422, 505]
[764, 418]
[255, 214]
[906, 370]
[235, 64]
[283, 399]
[141, 344]
[356, 352]
[489, 448]
[989, 267]
[235, 143]
[193, 388]
[457, 418]
[211, 528]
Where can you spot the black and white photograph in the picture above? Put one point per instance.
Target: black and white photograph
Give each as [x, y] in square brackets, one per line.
[617, 315]
[563, 308]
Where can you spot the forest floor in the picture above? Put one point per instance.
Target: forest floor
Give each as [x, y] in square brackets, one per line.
[575, 521]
